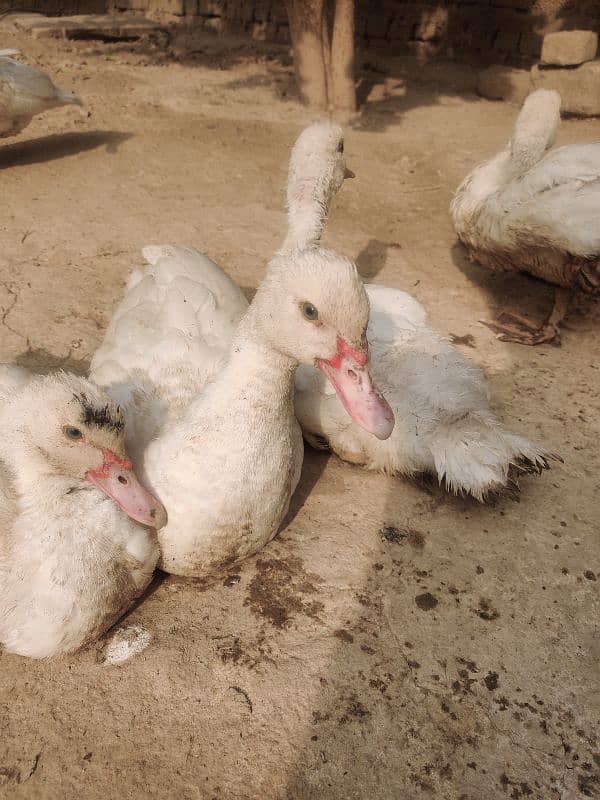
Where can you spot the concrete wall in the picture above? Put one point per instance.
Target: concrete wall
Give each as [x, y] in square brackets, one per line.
[507, 31]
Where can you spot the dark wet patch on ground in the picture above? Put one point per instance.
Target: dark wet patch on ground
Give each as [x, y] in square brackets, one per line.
[426, 601]
[394, 535]
[277, 591]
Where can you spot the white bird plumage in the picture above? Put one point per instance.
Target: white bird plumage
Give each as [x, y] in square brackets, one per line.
[223, 449]
[527, 210]
[71, 561]
[25, 92]
[167, 338]
[444, 424]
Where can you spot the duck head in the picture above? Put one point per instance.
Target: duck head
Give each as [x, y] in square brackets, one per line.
[317, 170]
[315, 311]
[67, 426]
[317, 160]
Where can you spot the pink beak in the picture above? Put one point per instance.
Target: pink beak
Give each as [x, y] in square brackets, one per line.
[347, 371]
[117, 479]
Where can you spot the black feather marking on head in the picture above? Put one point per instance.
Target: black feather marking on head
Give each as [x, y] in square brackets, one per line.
[101, 417]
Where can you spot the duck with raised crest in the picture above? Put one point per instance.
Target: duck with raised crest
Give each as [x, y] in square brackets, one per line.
[444, 423]
[226, 466]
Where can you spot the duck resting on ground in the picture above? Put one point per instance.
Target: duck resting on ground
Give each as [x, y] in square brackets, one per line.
[526, 210]
[26, 92]
[169, 335]
[444, 423]
[77, 544]
[226, 465]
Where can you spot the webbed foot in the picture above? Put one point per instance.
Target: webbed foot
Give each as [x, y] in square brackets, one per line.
[511, 327]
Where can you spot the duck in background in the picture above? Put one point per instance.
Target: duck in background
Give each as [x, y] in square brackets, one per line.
[26, 92]
[527, 210]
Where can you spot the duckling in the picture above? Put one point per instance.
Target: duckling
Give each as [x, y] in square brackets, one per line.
[527, 210]
[77, 530]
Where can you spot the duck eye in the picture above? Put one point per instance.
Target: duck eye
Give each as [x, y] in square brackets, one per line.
[72, 433]
[340, 147]
[310, 312]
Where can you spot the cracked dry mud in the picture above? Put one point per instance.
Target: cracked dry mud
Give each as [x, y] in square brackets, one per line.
[393, 642]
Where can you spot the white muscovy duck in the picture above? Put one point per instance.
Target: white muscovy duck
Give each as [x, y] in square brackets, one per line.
[444, 424]
[528, 211]
[26, 92]
[226, 465]
[77, 538]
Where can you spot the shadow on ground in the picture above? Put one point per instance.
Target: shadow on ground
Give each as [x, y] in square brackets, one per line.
[59, 145]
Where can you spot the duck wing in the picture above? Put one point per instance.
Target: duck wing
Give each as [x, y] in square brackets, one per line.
[168, 336]
[555, 204]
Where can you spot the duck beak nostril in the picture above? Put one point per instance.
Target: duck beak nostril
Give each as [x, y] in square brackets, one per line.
[118, 481]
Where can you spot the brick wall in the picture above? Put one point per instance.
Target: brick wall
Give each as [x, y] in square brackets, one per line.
[490, 30]
[507, 31]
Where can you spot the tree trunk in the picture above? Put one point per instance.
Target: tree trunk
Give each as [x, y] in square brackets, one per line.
[342, 89]
[307, 24]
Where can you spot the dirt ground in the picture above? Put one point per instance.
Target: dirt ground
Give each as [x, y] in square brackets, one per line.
[393, 642]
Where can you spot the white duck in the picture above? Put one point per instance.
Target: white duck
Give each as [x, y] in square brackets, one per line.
[226, 466]
[525, 211]
[77, 544]
[26, 92]
[444, 424]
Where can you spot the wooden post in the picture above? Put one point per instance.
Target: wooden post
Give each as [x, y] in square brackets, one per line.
[342, 93]
[307, 25]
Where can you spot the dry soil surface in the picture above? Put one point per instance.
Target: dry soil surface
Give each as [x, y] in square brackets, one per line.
[393, 642]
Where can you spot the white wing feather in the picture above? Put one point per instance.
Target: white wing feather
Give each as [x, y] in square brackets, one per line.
[168, 337]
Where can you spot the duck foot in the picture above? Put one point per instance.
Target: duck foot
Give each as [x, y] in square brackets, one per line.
[511, 327]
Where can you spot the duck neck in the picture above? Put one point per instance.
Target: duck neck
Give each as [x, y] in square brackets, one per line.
[257, 376]
[308, 206]
[534, 132]
[483, 182]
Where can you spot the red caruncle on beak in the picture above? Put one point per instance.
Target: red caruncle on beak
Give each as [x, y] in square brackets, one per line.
[348, 373]
[118, 481]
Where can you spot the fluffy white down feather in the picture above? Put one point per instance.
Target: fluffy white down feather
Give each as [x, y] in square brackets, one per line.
[444, 424]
